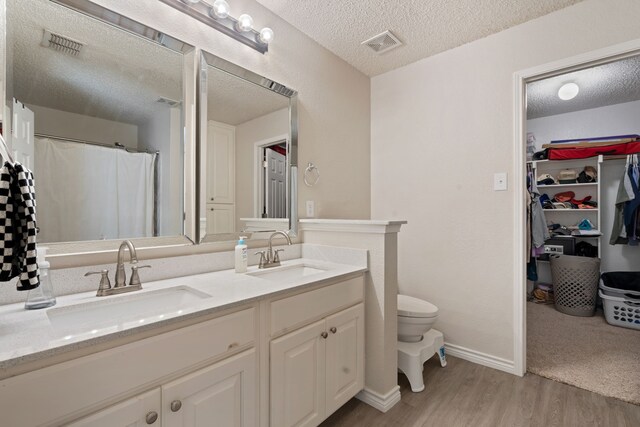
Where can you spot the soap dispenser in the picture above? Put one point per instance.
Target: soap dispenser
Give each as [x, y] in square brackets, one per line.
[241, 256]
[42, 296]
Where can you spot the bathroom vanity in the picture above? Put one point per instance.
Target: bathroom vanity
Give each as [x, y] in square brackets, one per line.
[281, 346]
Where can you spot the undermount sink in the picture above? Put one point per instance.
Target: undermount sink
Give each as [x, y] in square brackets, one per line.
[122, 312]
[287, 272]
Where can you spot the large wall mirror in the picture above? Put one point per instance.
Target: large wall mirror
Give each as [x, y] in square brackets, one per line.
[98, 106]
[247, 151]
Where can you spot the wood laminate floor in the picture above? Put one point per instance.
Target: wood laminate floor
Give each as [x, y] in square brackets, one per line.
[467, 394]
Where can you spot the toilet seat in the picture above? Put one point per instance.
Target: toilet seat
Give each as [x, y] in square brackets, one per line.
[415, 307]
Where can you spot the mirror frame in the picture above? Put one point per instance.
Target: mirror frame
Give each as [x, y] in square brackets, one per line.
[189, 73]
[210, 60]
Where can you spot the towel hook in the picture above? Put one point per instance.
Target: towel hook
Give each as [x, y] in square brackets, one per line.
[311, 175]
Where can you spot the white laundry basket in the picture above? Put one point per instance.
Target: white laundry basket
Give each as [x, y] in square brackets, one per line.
[621, 311]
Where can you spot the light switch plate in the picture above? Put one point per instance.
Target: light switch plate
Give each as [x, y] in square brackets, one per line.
[500, 181]
[311, 209]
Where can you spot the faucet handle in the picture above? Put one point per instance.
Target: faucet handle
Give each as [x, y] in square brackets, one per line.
[105, 284]
[135, 278]
[276, 257]
[263, 258]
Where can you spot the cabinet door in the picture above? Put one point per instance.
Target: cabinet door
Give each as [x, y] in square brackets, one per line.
[297, 377]
[223, 394]
[221, 160]
[135, 412]
[220, 218]
[345, 356]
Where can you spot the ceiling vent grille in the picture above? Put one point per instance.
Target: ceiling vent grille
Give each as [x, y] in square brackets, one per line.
[169, 102]
[61, 43]
[383, 42]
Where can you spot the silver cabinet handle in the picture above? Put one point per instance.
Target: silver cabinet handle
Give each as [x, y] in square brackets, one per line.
[176, 405]
[333, 330]
[324, 335]
[151, 417]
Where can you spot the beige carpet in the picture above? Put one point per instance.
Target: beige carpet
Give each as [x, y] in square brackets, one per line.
[585, 352]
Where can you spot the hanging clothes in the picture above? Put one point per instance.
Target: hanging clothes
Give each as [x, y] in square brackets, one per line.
[625, 230]
[18, 226]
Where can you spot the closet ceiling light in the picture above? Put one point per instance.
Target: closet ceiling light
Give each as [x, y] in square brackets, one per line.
[568, 91]
[191, 1]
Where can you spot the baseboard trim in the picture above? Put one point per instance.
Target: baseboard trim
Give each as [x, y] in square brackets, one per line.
[381, 402]
[481, 358]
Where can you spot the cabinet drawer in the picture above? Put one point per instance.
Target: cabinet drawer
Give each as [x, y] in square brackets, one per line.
[97, 379]
[292, 312]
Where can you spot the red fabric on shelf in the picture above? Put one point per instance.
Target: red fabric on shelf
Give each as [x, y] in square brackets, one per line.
[583, 153]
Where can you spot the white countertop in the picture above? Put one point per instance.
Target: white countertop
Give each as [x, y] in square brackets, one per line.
[28, 335]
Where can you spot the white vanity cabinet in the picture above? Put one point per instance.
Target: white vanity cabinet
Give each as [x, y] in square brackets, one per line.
[129, 381]
[317, 368]
[223, 394]
[137, 411]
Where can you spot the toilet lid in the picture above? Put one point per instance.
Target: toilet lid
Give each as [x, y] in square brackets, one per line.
[414, 307]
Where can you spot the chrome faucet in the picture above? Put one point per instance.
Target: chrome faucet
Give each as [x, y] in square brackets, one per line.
[271, 258]
[121, 278]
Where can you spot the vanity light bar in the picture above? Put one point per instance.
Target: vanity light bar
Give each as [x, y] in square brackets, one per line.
[228, 25]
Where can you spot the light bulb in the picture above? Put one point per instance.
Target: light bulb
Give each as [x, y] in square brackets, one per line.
[245, 22]
[266, 35]
[568, 91]
[220, 9]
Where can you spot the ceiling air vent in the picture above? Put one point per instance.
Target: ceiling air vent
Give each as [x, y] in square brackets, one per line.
[383, 42]
[61, 43]
[169, 102]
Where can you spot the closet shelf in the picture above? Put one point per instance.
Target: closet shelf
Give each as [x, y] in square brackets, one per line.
[571, 210]
[583, 184]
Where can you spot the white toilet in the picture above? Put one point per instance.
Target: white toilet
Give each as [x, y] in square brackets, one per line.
[417, 341]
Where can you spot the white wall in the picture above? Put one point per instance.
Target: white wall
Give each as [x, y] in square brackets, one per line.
[269, 126]
[162, 133]
[620, 119]
[77, 126]
[440, 128]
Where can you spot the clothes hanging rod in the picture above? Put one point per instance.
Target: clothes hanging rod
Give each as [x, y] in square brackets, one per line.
[115, 145]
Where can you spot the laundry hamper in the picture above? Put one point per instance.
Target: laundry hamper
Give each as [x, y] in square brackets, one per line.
[575, 284]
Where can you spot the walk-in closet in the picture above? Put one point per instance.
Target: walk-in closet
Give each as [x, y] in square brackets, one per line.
[583, 228]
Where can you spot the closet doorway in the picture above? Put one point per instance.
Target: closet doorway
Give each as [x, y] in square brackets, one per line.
[586, 352]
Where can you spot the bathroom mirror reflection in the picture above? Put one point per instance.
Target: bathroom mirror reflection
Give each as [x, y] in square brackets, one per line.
[248, 145]
[95, 107]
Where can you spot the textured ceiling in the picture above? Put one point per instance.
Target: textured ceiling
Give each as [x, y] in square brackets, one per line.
[607, 84]
[117, 76]
[425, 27]
[234, 101]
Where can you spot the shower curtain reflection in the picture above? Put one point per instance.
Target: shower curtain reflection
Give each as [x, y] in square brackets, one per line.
[88, 192]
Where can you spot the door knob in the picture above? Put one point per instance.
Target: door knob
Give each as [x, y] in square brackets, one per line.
[333, 330]
[324, 335]
[176, 405]
[151, 417]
